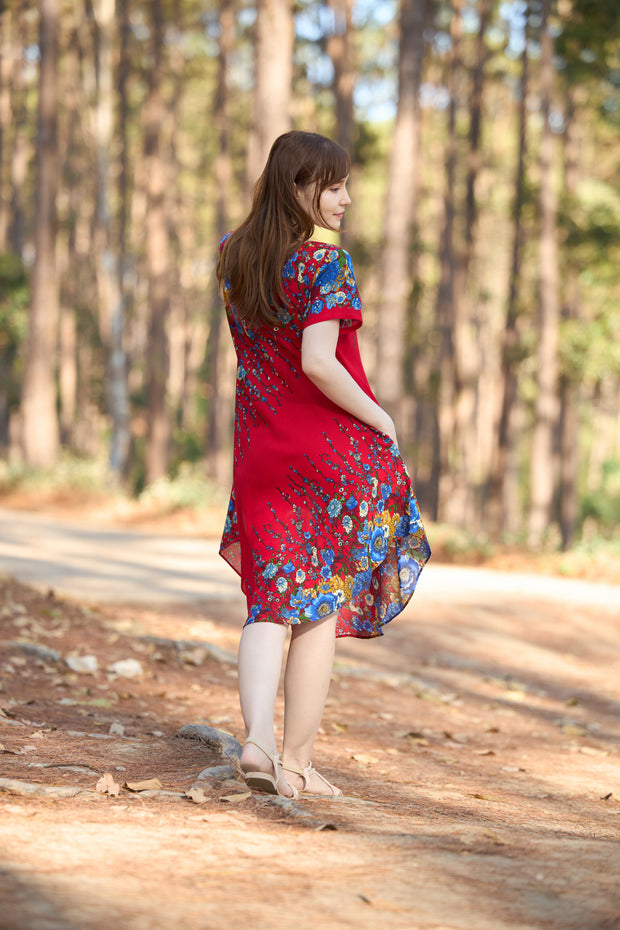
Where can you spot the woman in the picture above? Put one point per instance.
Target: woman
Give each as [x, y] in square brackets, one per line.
[322, 526]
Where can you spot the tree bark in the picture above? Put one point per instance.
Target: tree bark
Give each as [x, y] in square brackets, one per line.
[502, 490]
[39, 421]
[157, 252]
[341, 52]
[446, 309]
[395, 281]
[6, 29]
[20, 148]
[569, 388]
[542, 464]
[109, 285]
[272, 81]
[217, 414]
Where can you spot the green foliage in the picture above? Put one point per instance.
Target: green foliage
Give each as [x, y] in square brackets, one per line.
[13, 325]
[189, 489]
[603, 505]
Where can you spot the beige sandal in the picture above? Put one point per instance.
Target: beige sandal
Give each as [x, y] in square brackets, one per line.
[307, 774]
[263, 781]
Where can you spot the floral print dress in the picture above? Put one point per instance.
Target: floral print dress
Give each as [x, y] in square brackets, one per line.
[322, 515]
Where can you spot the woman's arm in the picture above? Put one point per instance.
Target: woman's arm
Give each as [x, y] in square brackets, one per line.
[319, 363]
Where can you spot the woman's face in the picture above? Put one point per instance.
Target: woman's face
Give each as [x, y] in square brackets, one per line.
[332, 203]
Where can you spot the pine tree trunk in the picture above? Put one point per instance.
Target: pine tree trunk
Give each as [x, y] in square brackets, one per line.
[569, 389]
[157, 252]
[467, 360]
[219, 416]
[341, 51]
[272, 81]
[448, 508]
[542, 463]
[6, 29]
[501, 489]
[20, 148]
[39, 422]
[395, 282]
[110, 296]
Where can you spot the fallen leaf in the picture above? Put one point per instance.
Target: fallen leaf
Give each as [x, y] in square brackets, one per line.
[340, 727]
[149, 784]
[363, 759]
[571, 729]
[107, 785]
[485, 797]
[483, 752]
[235, 798]
[196, 795]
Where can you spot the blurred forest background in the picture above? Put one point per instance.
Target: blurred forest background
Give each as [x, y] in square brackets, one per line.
[484, 230]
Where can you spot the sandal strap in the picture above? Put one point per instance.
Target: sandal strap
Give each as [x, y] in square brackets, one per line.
[307, 774]
[273, 757]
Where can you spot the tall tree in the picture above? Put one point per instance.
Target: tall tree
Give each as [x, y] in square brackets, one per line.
[157, 252]
[109, 282]
[542, 460]
[502, 485]
[40, 435]
[447, 508]
[340, 49]
[395, 281]
[217, 413]
[273, 77]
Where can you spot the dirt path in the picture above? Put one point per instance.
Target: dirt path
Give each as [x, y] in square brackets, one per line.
[477, 743]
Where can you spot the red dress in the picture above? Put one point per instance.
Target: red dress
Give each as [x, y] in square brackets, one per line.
[322, 515]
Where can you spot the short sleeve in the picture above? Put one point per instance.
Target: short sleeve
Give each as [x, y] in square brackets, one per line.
[334, 294]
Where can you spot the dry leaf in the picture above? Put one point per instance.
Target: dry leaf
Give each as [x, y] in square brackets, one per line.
[107, 785]
[340, 727]
[149, 784]
[572, 729]
[234, 798]
[363, 759]
[196, 795]
[483, 752]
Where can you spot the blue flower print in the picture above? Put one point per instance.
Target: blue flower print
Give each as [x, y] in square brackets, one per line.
[347, 523]
[300, 575]
[363, 508]
[288, 568]
[350, 504]
[408, 571]
[361, 582]
[328, 556]
[323, 606]
[334, 507]
[281, 584]
[378, 544]
[326, 573]
[270, 571]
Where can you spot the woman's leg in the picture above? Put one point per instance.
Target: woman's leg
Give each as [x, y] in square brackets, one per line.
[260, 663]
[306, 683]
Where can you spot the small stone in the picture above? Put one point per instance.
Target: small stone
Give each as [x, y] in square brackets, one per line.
[116, 729]
[126, 668]
[82, 664]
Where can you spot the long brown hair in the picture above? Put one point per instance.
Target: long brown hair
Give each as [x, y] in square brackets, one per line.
[253, 256]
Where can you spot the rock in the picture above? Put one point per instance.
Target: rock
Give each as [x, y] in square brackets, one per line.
[116, 729]
[220, 740]
[126, 668]
[41, 652]
[217, 773]
[82, 664]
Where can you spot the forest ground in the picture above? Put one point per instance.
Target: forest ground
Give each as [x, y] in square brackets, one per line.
[477, 743]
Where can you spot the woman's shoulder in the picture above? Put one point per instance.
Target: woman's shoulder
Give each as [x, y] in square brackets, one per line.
[318, 256]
